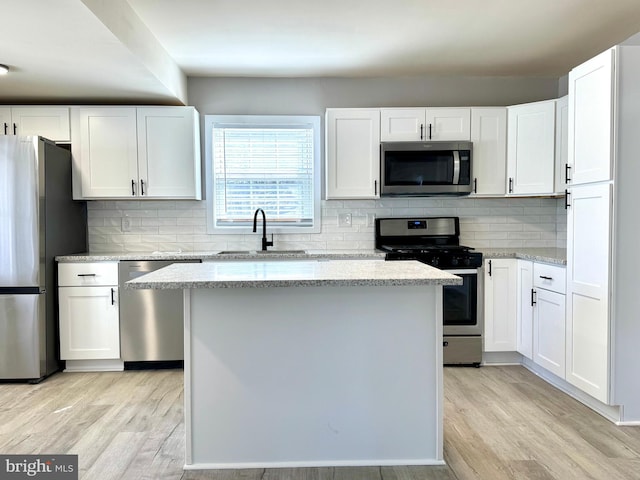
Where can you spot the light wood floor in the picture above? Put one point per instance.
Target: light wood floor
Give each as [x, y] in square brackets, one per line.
[500, 423]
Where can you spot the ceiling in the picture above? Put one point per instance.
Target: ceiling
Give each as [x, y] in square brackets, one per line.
[142, 51]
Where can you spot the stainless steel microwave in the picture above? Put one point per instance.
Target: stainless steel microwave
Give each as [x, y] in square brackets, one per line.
[425, 168]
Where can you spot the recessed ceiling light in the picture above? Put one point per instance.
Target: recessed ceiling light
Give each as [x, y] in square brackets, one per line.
[3, 69]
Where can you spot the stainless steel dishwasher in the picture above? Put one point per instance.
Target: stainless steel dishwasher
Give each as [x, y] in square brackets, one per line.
[151, 321]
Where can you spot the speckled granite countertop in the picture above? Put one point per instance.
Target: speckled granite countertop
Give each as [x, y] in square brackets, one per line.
[557, 256]
[307, 273]
[214, 255]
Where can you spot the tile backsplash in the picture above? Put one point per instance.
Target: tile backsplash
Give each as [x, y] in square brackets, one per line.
[167, 225]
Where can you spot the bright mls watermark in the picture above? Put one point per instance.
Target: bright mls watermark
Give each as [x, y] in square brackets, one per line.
[51, 467]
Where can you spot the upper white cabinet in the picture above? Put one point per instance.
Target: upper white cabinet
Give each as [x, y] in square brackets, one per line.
[48, 122]
[562, 144]
[500, 305]
[591, 120]
[489, 137]
[352, 153]
[531, 148]
[416, 124]
[128, 152]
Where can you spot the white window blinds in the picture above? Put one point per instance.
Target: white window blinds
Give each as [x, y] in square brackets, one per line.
[268, 166]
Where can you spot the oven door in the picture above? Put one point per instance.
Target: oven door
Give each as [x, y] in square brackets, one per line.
[461, 312]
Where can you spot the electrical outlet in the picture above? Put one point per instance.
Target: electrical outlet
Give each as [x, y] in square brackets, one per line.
[126, 224]
[344, 219]
[371, 219]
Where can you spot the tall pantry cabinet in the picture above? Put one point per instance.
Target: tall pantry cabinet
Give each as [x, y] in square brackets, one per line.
[603, 228]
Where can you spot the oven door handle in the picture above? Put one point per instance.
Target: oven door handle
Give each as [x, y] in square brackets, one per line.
[463, 271]
[456, 167]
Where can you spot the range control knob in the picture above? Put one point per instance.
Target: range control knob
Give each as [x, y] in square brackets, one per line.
[454, 261]
[435, 261]
[467, 261]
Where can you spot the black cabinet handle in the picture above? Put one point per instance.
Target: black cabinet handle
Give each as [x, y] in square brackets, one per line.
[375, 187]
[15, 129]
[113, 300]
[489, 267]
[567, 167]
[429, 131]
[545, 277]
[421, 131]
[566, 199]
[142, 187]
[510, 185]
[6, 127]
[133, 188]
[533, 293]
[86, 274]
[475, 185]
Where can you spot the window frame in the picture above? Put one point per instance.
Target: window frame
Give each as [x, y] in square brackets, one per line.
[263, 120]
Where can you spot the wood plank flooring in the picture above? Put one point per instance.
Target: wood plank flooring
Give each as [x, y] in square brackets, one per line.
[500, 423]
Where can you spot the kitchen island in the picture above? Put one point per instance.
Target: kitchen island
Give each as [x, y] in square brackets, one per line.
[310, 363]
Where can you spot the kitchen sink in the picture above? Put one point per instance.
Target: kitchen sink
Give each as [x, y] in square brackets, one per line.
[262, 252]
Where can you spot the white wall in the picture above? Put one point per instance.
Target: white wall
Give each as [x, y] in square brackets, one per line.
[169, 226]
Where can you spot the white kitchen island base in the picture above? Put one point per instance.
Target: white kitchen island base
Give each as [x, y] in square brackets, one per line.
[313, 376]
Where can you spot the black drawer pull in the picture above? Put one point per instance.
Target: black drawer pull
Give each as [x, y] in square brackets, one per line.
[545, 277]
[86, 274]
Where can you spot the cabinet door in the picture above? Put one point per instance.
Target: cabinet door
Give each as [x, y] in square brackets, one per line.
[48, 122]
[500, 305]
[588, 253]
[89, 323]
[169, 152]
[352, 153]
[549, 331]
[6, 127]
[524, 306]
[448, 124]
[591, 119]
[402, 124]
[106, 149]
[531, 148]
[562, 144]
[489, 137]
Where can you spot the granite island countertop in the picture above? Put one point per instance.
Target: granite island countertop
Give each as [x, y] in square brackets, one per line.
[300, 273]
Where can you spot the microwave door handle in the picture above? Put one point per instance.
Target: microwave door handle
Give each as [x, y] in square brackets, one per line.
[456, 167]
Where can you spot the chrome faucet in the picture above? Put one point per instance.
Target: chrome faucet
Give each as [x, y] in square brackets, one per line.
[265, 242]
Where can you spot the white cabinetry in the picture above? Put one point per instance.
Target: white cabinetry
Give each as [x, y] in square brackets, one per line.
[524, 305]
[352, 153]
[549, 318]
[128, 152]
[500, 305]
[589, 225]
[48, 122]
[489, 137]
[591, 125]
[531, 148]
[89, 317]
[562, 144]
[415, 124]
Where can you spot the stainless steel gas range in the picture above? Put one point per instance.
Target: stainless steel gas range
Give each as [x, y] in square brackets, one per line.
[436, 242]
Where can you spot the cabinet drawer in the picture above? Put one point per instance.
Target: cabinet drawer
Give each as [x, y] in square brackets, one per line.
[87, 274]
[549, 277]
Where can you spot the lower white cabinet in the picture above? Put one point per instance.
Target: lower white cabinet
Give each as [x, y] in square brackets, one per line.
[524, 305]
[549, 331]
[500, 305]
[89, 311]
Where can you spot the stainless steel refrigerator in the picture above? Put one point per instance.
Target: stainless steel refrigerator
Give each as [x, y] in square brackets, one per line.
[38, 220]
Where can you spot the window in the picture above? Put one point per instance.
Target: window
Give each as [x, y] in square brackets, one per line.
[268, 162]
